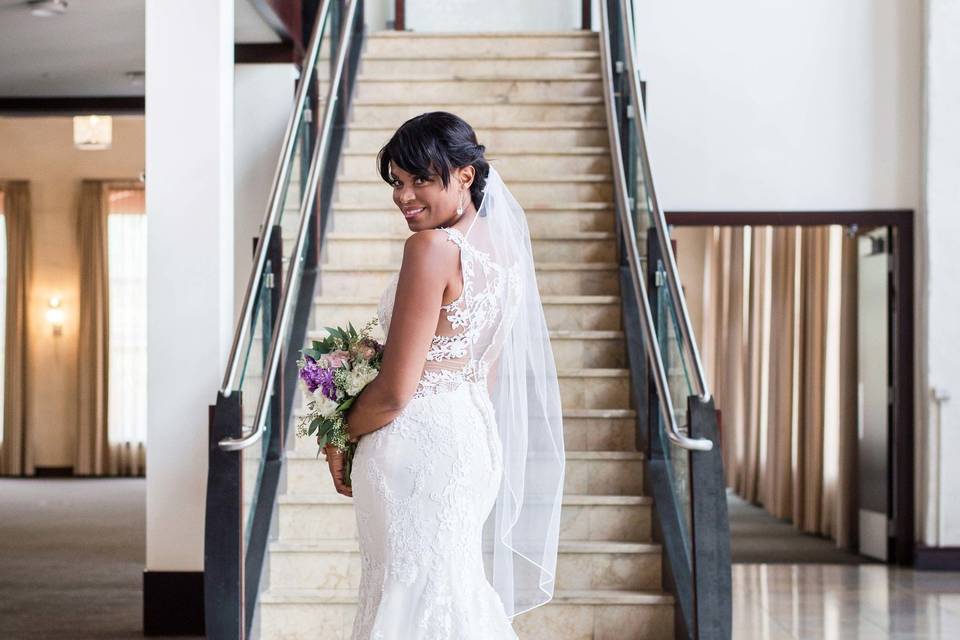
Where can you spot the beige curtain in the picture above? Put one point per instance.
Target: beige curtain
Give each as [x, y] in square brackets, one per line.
[782, 362]
[91, 456]
[16, 450]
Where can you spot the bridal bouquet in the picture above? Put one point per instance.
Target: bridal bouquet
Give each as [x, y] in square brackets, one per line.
[333, 372]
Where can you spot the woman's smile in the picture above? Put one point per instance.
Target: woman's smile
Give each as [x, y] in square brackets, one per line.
[412, 212]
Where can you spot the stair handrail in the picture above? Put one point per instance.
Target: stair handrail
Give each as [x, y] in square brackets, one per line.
[276, 200]
[651, 344]
[659, 219]
[291, 285]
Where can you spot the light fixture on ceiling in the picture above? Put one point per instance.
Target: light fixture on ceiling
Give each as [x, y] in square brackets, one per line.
[92, 133]
[47, 8]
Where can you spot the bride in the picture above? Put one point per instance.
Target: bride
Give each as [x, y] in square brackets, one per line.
[457, 478]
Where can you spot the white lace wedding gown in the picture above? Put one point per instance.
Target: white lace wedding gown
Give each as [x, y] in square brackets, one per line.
[424, 484]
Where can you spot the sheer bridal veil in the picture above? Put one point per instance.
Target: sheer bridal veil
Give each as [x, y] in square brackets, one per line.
[520, 536]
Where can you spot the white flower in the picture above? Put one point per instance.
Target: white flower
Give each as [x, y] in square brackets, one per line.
[361, 375]
[325, 406]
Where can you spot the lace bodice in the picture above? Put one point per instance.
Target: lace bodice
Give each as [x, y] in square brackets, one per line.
[471, 328]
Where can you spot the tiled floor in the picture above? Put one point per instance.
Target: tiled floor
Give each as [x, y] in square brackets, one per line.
[841, 602]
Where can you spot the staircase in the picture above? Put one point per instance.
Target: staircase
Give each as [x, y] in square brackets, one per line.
[535, 100]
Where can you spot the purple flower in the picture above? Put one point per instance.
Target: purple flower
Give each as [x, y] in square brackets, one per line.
[316, 377]
[311, 373]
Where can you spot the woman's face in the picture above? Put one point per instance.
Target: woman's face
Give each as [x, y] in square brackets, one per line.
[423, 201]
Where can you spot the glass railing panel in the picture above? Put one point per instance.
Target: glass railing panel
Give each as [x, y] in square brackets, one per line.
[636, 186]
[680, 388]
[252, 381]
[289, 194]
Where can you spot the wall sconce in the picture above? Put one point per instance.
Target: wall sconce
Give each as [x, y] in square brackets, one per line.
[55, 315]
[92, 133]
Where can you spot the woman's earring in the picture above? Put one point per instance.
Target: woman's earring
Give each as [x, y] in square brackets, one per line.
[460, 208]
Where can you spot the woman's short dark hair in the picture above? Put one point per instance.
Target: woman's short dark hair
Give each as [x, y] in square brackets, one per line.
[439, 142]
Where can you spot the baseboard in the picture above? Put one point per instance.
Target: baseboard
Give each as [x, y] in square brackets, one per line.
[53, 472]
[936, 558]
[173, 603]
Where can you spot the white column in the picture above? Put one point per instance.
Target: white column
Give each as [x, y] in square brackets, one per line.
[940, 236]
[190, 284]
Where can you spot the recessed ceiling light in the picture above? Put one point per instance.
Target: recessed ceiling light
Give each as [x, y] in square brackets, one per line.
[47, 8]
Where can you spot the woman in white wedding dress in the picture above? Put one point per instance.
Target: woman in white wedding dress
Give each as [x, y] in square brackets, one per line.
[458, 473]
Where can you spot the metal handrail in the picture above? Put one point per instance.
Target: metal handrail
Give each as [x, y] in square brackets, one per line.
[659, 220]
[289, 294]
[633, 253]
[276, 199]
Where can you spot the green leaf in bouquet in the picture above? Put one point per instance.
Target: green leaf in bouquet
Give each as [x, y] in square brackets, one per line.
[346, 404]
[314, 425]
[313, 353]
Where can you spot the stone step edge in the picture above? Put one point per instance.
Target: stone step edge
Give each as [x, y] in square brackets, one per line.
[557, 237]
[593, 456]
[587, 597]
[572, 54]
[493, 154]
[387, 34]
[374, 207]
[356, 300]
[457, 101]
[574, 499]
[498, 126]
[480, 77]
[563, 546]
[587, 414]
[559, 334]
[540, 266]
[580, 178]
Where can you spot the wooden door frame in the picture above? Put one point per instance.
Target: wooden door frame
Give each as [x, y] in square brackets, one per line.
[903, 440]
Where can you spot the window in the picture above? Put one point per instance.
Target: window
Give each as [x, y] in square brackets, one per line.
[127, 260]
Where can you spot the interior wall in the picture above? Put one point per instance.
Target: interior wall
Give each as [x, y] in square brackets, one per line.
[783, 105]
[940, 235]
[263, 99]
[40, 149]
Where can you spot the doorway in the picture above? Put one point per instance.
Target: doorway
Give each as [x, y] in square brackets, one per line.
[808, 318]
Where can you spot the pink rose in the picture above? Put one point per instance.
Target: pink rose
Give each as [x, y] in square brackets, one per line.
[335, 359]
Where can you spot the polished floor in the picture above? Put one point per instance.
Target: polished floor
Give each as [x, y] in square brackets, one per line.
[841, 602]
[756, 536]
[72, 557]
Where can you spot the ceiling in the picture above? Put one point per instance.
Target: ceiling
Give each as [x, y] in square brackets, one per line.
[89, 50]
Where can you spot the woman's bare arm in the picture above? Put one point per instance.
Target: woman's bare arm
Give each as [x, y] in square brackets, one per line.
[424, 274]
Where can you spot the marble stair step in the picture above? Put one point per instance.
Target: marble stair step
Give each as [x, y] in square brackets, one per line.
[562, 312]
[481, 110]
[588, 517]
[581, 614]
[549, 63]
[571, 278]
[364, 249]
[580, 388]
[527, 191]
[530, 136]
[586, 472]
[414, 44]
[447, 87]
[583, 430]
[335, 564]
[571, 349]
[383, 215]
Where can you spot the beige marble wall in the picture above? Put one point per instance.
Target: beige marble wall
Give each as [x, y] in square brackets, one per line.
[41, 150]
